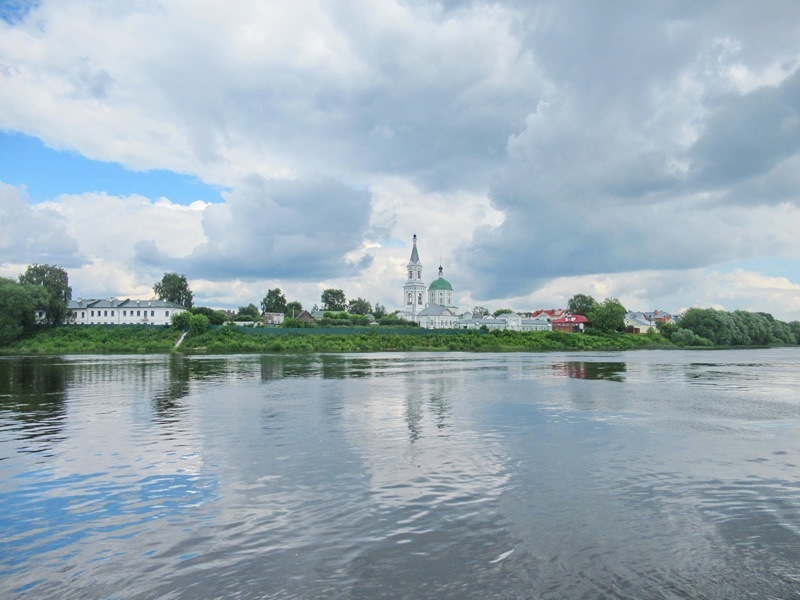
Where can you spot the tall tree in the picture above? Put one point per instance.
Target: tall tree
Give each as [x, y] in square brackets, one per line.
[581, 304]
[293, 308]
[479, 311]
[18, 305]
[174, 288]
[333, 300]
[379, 310]
[608, 316]
[502, 311]
[359, 306]
[248, 313]
[56, 282]
[274, 302]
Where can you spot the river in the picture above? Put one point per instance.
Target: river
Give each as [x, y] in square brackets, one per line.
[648, 474]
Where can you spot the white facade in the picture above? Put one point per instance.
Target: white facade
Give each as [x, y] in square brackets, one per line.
[111, 311]
[414, 288]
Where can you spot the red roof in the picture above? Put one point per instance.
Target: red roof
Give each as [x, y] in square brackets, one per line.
[570, 319]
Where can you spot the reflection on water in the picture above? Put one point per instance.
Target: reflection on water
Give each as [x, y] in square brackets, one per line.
[610, 371]
[619, 475]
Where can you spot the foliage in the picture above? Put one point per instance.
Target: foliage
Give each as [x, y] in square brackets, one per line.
[333, 300]
[174, 288]
[359, 306]
[608, 316]
[394, 321]
[379, 310]
[581, 304]
[480, 311]
[502, 311]
[198, 324]
[293, 323]
[215, 317]
[293, 308]
[18, 304]
[248, 313]
[794, 327]
[737, 328]
[180, 320]
[686, 337]
[56, 282]
[97, 339]
[274, 302]
[380, 339]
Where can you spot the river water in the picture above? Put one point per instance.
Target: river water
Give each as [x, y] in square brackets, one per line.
[649, 474]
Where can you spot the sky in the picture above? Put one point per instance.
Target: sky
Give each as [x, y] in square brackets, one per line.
[645, 151]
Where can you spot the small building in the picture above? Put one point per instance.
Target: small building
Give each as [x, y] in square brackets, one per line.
[639, 322]
[305, 317]
[436, 316]
[271, 318]
[570, 324]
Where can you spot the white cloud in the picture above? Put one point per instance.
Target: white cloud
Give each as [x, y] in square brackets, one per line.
[33, 234]
[531, 146]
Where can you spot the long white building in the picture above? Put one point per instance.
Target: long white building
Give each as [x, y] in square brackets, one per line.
[112, 311]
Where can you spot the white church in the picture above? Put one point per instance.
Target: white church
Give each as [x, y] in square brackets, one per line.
[430, 306]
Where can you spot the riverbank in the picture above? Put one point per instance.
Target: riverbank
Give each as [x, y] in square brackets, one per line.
[229, 340]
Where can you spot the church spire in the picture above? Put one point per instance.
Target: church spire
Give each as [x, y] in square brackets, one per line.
[414, 253]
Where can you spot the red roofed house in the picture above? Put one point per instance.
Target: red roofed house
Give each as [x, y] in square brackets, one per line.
[570, 323]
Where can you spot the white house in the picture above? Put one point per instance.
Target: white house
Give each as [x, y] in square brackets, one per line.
[112, 311]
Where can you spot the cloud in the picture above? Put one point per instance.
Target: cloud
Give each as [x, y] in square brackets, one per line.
[527, 144]
[268, 229]
[33, 234]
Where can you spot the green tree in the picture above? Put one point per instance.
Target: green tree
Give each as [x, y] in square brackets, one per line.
[174, 288]
[293, 308]
[198, 324]
[56, 283]
[333, 300]
[608, 316]
[274, 302]
[180, 320]
[480, 311]
[379, 310]
[581, 304]
[215, 317]
[18, 305]
[359, 306]
[502, 311]
[247, 313]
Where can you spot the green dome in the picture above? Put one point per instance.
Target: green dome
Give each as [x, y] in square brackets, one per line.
[440, 284]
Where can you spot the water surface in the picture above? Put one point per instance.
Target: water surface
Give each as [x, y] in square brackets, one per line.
[606, 475]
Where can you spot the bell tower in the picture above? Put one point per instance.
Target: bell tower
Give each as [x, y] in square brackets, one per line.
[414, 288]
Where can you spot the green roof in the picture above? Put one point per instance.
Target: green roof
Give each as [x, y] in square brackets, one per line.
[441, 284]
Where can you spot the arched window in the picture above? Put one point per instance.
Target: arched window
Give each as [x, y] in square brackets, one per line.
[419, 299]
[410, 274]
[409, 297]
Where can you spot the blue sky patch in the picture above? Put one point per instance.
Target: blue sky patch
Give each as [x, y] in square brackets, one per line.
[46, 173]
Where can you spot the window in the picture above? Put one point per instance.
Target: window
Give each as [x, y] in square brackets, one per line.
[166, 313]
[124, 313]
[105, 313]
[112, 313]
[138, 313]
[152, 313]
[92, 313]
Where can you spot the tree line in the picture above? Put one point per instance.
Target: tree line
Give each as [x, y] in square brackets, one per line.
[40, 297]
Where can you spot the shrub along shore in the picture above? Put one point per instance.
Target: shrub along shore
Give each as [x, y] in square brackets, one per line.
[132, 339]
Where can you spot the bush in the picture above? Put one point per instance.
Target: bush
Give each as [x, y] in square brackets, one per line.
[198, 324]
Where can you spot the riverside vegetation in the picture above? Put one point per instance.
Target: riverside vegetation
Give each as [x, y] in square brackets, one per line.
[104, 339]
[44, 289]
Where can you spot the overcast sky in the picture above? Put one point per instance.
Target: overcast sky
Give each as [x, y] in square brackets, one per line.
[648, 151]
